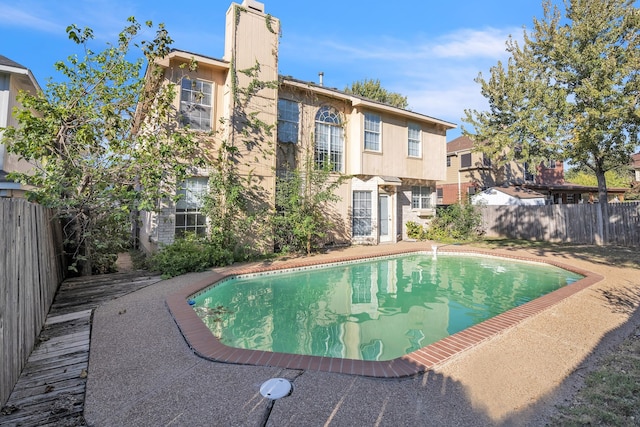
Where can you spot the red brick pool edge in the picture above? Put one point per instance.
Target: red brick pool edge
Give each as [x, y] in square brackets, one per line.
[206, 345]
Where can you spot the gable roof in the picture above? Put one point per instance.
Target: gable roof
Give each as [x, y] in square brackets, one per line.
[22, 73]
[4, 61]
[635, 161]
[518, 192]
[357, 100]
[461, 143]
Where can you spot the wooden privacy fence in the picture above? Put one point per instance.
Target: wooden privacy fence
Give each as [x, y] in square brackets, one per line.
[577, 223]
[31, 268]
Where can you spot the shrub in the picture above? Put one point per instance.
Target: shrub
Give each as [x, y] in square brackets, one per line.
[459, 222]
[190, 254]
[415, 231]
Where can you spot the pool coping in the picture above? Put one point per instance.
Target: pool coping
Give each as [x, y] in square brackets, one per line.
[202, 341]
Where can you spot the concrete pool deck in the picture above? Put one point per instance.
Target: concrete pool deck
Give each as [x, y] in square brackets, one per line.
[142, 372]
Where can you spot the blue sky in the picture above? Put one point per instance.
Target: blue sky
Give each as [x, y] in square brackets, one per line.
[429, 51]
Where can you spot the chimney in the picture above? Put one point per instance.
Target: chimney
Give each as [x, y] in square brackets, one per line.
[255, 5]
[321, 78]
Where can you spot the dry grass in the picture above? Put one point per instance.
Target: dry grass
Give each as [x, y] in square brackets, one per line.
[611, 394]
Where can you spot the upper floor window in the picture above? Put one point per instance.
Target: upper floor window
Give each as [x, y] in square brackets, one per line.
[486, 161]
[465, 160]
[448, 161]
[414, 142]
[189, 218]
[528, 175]
[421, 197]
[371, 132]
[329, 144]
[4, 81]
[551, 164]
[288, 119]
[195, 104]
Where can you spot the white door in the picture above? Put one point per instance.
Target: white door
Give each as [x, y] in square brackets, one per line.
[384, 217]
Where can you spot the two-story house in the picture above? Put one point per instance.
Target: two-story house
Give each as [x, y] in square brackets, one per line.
[13, 79]
[391, 156]
[470, 171]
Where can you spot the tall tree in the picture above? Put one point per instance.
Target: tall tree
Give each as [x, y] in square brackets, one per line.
[93, 162]
[570, 91]
[372, 89]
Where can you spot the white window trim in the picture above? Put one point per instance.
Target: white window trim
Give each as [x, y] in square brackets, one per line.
[422, 197]
[193, 190]
[287, 119]
[329, 118]
[376, 119]
[417, 127]
[369, 217]
[184, 104]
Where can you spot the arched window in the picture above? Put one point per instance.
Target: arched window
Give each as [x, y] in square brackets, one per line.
[329, 144]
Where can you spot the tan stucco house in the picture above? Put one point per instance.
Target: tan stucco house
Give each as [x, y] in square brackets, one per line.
[392, 157]
[13, 78]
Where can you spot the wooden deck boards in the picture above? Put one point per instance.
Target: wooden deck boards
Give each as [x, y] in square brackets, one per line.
[51, 387]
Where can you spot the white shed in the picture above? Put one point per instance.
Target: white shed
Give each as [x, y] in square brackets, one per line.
[512, 195]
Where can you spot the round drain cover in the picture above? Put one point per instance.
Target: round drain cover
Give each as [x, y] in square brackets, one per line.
[275, 388]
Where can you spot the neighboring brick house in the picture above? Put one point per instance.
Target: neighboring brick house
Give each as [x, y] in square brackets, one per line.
[470, 171]
[13, 78]
[392, 157]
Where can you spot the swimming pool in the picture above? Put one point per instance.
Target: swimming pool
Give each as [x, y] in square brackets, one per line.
[371, 310]
[204, 344]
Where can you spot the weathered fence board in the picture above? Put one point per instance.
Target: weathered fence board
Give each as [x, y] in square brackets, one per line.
[51, 388]
[30, 271]
[577, 223]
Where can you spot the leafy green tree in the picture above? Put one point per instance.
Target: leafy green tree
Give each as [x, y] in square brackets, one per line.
[615, 177]
[94, 162]
[570, 91]
[372, 89]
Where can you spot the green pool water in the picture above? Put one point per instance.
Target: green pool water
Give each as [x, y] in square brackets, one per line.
[375, 310]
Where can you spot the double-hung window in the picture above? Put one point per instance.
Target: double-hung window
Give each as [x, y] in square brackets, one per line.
[465, 160]
[361, 213]
[421, 197]
[528, 175]
[189, 218]
[371, 132]
[329, 144]
[195, 104]
[288, 121]
[414, 140]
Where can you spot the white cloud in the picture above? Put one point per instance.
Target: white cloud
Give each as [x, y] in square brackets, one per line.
[437, 76]
[24, 17]
[106, 18]
[470, 43]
